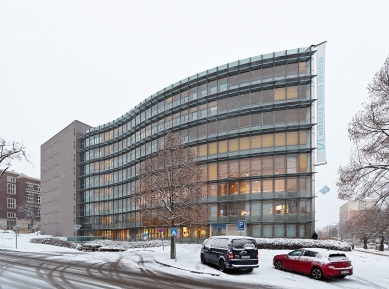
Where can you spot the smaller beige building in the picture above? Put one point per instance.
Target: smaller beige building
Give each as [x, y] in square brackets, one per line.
[351, 210]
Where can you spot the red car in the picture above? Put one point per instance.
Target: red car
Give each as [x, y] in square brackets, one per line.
[318, 263]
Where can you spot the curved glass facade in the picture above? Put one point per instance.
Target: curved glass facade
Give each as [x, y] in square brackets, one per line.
[249, 122]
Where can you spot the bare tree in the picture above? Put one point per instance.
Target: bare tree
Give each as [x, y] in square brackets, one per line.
[10, 151]
[30, 212]
[367, 174]
[381, 225]
[362, 226]
[171, 188]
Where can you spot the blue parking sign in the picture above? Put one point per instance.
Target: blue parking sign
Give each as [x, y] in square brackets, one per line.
[173, 232]
[240, 225]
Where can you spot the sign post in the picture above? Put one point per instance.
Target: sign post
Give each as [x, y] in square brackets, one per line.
[160, 230]
[76, 227]
[145, 235]
[240, 226]
[16, 233]
[174, 233]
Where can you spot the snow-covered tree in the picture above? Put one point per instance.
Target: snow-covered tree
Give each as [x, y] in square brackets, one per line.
[362, 226]
[171, 188]
[367, 174]
[30, 212]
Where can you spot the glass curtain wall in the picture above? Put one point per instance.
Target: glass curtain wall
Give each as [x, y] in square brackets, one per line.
[249, 123]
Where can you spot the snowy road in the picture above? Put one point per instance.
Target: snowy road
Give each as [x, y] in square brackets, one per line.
[83, 270]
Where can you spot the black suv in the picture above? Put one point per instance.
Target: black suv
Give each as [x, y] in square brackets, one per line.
[230, 252]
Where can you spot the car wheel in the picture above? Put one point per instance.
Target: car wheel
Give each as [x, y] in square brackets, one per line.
[278, 265]
[222, 266]
[248, 270]
[316, 274]
[202, 258]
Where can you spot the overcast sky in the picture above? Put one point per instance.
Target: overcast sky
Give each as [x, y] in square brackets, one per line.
[95, 60]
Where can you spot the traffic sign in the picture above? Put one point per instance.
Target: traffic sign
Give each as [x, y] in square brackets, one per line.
[240, 225]
[76, 227]
[173, 232]
[145, 234]
[160, 230]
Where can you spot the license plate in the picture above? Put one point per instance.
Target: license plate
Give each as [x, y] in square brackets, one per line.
[344, 272]
[245, 257]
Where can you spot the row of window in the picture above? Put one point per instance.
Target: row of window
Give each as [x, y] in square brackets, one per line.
[257, 166]
[213, 108]
[231, 82]
[294, 116]
[233, 145]
[300, 230]
[287, 188]
[31, 198]
[11, 215]
[268, 119]
[11, 203]
[33, 187]
[11, 188]
[254, 211]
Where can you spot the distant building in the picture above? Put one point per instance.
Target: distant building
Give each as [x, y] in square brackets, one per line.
[59, 159]
[16, 189]
[351, 210]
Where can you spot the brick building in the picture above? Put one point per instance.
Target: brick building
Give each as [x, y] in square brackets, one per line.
[15, 190]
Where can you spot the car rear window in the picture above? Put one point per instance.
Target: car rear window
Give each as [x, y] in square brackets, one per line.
[337, 257]
[241, 243]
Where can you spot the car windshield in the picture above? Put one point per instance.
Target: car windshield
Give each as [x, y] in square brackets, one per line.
[242, 243]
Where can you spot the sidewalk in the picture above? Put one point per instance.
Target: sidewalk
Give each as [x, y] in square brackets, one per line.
[188, 259]
[373, 251]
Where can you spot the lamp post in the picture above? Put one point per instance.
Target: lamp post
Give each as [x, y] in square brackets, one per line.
[76, 227]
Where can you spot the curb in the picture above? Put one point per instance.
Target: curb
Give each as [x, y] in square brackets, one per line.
[196, 272]
[363, 251]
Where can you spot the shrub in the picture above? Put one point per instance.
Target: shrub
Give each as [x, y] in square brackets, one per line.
[292, 244]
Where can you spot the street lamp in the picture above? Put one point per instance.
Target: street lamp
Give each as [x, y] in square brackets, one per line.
[76, 227]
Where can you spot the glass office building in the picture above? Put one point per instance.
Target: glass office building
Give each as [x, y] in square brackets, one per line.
[250, 124]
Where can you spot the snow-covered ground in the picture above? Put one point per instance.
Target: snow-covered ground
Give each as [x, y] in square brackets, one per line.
[370, 270]
[8, 242]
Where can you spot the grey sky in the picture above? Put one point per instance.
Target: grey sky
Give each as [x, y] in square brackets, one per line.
[95, 60]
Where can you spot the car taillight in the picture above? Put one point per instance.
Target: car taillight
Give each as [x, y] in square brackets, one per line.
[230, 256]
[257, 255]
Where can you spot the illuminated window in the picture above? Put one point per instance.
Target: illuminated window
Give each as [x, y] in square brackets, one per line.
[292, 138]
[292, 92]
[256, 142]
[212, 171]
[268, 140]
[223, 146]
[279, 93]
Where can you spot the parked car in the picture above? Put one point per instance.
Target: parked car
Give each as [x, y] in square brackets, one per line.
[230, 252]
[377, 246]
[319, 263]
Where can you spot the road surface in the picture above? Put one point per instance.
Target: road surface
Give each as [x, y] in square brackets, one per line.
[63, 270]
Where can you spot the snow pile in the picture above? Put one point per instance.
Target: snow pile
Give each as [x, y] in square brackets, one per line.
[56, 242]
[108, 245]
[282, 244]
